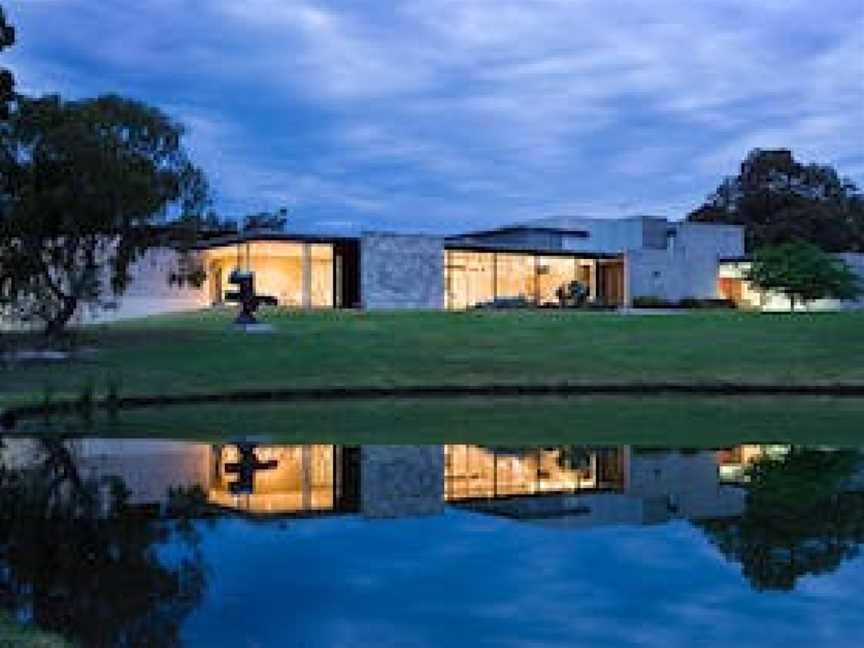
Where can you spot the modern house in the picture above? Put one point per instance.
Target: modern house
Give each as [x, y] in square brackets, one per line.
[619, 260]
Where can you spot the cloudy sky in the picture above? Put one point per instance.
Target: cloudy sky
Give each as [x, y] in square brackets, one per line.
[444, 114]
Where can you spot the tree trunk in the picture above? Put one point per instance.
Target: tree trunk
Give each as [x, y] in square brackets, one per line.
[791, 303]
[56, 326]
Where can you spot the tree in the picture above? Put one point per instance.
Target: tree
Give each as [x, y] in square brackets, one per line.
[7, 82]
[85, 185]
[803, 273]
[801, 518]
[274, 221]
[779, 200]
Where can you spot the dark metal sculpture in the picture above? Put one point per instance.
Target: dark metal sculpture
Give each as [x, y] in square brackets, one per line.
[245, 469]
[246, 297]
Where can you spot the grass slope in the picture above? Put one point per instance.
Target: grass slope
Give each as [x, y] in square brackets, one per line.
[650, 421]
[198, 352]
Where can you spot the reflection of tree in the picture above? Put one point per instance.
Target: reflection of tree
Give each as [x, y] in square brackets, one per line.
[84, 562]
[800, 518]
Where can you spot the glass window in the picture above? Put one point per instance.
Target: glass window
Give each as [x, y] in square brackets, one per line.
[515, 276]
[470, 278]
[554, 273]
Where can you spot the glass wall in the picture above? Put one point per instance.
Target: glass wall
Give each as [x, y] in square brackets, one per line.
[481, 472]
[554, 273]
[470, 278]
[475, 277]
[515, 276]
[296, 274]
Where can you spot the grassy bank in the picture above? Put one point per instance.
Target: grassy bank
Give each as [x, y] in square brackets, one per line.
[13, 635]
[654, 421]
[199, 352]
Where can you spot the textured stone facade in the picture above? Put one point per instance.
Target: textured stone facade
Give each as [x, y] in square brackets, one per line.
[399, 481]
[401, 271]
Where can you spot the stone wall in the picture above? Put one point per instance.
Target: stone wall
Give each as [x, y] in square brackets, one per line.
[401, 271]
[398, 481]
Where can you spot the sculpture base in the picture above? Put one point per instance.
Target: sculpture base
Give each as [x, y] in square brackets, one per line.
[254, 328]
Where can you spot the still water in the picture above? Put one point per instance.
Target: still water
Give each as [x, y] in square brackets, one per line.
[157, 543]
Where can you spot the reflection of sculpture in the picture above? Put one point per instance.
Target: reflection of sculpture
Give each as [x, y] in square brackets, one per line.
[246, 297]
[246, 468]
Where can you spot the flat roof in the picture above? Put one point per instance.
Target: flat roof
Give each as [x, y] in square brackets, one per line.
[580, 233]
[262, 236]
[476, 246]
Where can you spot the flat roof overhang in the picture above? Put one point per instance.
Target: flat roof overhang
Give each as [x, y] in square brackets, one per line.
[505, 249]
[243, 238]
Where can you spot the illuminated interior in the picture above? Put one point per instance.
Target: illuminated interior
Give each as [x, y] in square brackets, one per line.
[304, 479]
[472, 472]
[475, 277]
[296, 274]
[733, 462]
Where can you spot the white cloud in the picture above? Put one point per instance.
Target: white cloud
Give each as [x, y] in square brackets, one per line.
[444, 111]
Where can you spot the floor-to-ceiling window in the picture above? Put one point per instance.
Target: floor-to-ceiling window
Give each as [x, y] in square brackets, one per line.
[472, 471]
[515, 276]
[297, 274]
[470, 278]
[554, 273]
[478, 277]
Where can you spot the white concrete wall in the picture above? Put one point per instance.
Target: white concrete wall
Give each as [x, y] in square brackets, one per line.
[149, 292]
[689, 267]
[611, 236]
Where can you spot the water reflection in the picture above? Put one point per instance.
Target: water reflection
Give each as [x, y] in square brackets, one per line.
[78, 556]
[129, 569]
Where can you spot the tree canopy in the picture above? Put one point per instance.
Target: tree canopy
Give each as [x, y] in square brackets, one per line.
[7, 82]
[778, 199]
[273, 221]
[84, 186]
[803, 273]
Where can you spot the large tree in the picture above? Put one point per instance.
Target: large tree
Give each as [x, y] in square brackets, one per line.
[778, 199]
[7, 83]
[803, 273]
[85, 185]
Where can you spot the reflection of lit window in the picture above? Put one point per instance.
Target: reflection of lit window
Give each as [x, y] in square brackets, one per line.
[301, 481]
[477, 472]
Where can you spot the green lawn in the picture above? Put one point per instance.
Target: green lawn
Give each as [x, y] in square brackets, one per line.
[198, 352]
[651, 421]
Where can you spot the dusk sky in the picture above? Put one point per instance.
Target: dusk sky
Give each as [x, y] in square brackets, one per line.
[443, 115]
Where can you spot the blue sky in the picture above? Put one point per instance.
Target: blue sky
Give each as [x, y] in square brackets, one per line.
[441, 115]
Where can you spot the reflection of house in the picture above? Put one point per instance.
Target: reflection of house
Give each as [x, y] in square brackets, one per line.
[568, 486]
[618, 486]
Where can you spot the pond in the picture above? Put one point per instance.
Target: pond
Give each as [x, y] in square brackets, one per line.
[247, 543]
